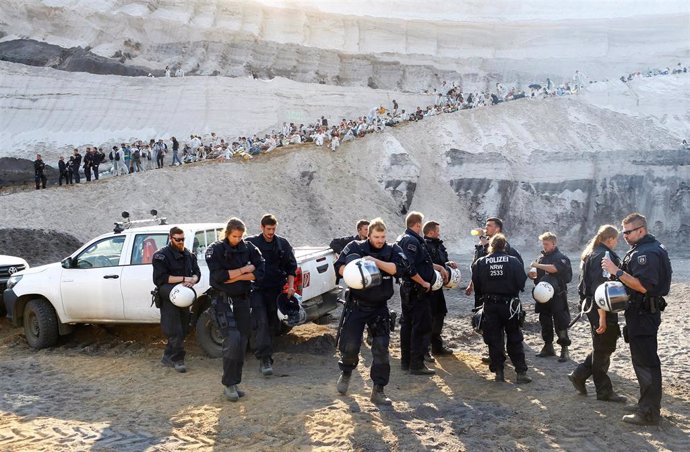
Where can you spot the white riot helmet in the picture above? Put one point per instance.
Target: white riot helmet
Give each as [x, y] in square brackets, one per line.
[542, 292]
[182, 296]
[454, 278]
[361, 274]
[611, 296]
[438, 280]
[290, 310]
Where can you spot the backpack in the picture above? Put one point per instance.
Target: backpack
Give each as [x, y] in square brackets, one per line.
[117, 156]
[137, 154]
[111, 156]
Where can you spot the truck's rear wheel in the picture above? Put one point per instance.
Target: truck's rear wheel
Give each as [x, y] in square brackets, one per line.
[40, 324]
[208, 336]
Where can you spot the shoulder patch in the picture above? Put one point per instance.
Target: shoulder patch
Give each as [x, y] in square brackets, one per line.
[159, 256]
[412, 248]
[642, 260]
[209, 252]
[565, 261]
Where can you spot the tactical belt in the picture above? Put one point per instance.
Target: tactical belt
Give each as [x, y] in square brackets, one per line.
[496, 299]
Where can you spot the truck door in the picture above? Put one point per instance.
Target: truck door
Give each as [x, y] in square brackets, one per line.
[90, 289]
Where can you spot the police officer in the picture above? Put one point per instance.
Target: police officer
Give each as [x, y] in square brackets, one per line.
[646, 271]
[88, 164]
[498, 278]
[76, 163]
[604, 325]
[553, 313]
[174, 264]
[492, 226]
[39, 175]
[280, 267]
[368, 306]
[233, 264]
[437, 301]
[338, 244]
[62, 168]
[415, 322]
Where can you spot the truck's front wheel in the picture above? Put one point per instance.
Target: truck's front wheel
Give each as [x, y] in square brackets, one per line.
[40, 324]
[208, 336]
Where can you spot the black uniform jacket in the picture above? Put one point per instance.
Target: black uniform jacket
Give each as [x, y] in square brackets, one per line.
[498, 274]
[279, 259]
[591, 277]
[387, 253]
[168, 261]
[221, 257]
[417, 255]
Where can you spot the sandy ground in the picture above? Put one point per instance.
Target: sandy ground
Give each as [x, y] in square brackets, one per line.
[104, 389]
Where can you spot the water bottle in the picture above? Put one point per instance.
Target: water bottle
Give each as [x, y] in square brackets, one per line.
[477, 232]
[605, 272]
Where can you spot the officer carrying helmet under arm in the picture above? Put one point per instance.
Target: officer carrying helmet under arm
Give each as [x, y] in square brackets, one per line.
[174, 264]
[498, 279]
[233, 264]
[415, 323]
[368, 307]
[646, 272]
[555, 267]
[604, 325]
[280, 268]
[439, 256]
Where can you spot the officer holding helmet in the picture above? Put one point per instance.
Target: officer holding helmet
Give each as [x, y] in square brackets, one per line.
[415, 323]
[174, 264]
[280, 268]
[439, 256]
[234, 265]
[646, 271]
[498, 278]
[604, 325]
[370, 289]
[555, 267]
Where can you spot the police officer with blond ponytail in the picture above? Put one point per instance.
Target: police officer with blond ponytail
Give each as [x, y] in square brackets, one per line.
[604, 325]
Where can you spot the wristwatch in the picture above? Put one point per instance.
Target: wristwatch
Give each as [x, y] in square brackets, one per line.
[619, 273]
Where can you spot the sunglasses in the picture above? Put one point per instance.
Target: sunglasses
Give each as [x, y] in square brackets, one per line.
[631, 230]
[178, 239]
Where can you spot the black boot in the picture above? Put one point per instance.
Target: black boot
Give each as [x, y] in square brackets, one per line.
[547, 350]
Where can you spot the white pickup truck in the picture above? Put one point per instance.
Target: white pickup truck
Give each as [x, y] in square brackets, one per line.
[9, 265]
[109, 280]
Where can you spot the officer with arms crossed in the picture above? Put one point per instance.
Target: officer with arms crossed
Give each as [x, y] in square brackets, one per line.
[554, 267]
[498, 279]
[646, 271]
[338, 244]
[368, 306]
[280, 267]
[233, 264]
[439, 256]
[415, 324]
[174, 264]
[604, 325]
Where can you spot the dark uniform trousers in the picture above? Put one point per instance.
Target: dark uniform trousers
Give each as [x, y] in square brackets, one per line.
[232, 315]
[415, 325]
[175, 326]
[437, 303]
[642, 327]
[555, 314]
[496, 321]
[377, 318]
[264, 317]
[596, 364]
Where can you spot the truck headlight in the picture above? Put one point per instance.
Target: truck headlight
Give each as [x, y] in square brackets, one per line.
[14, 279]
